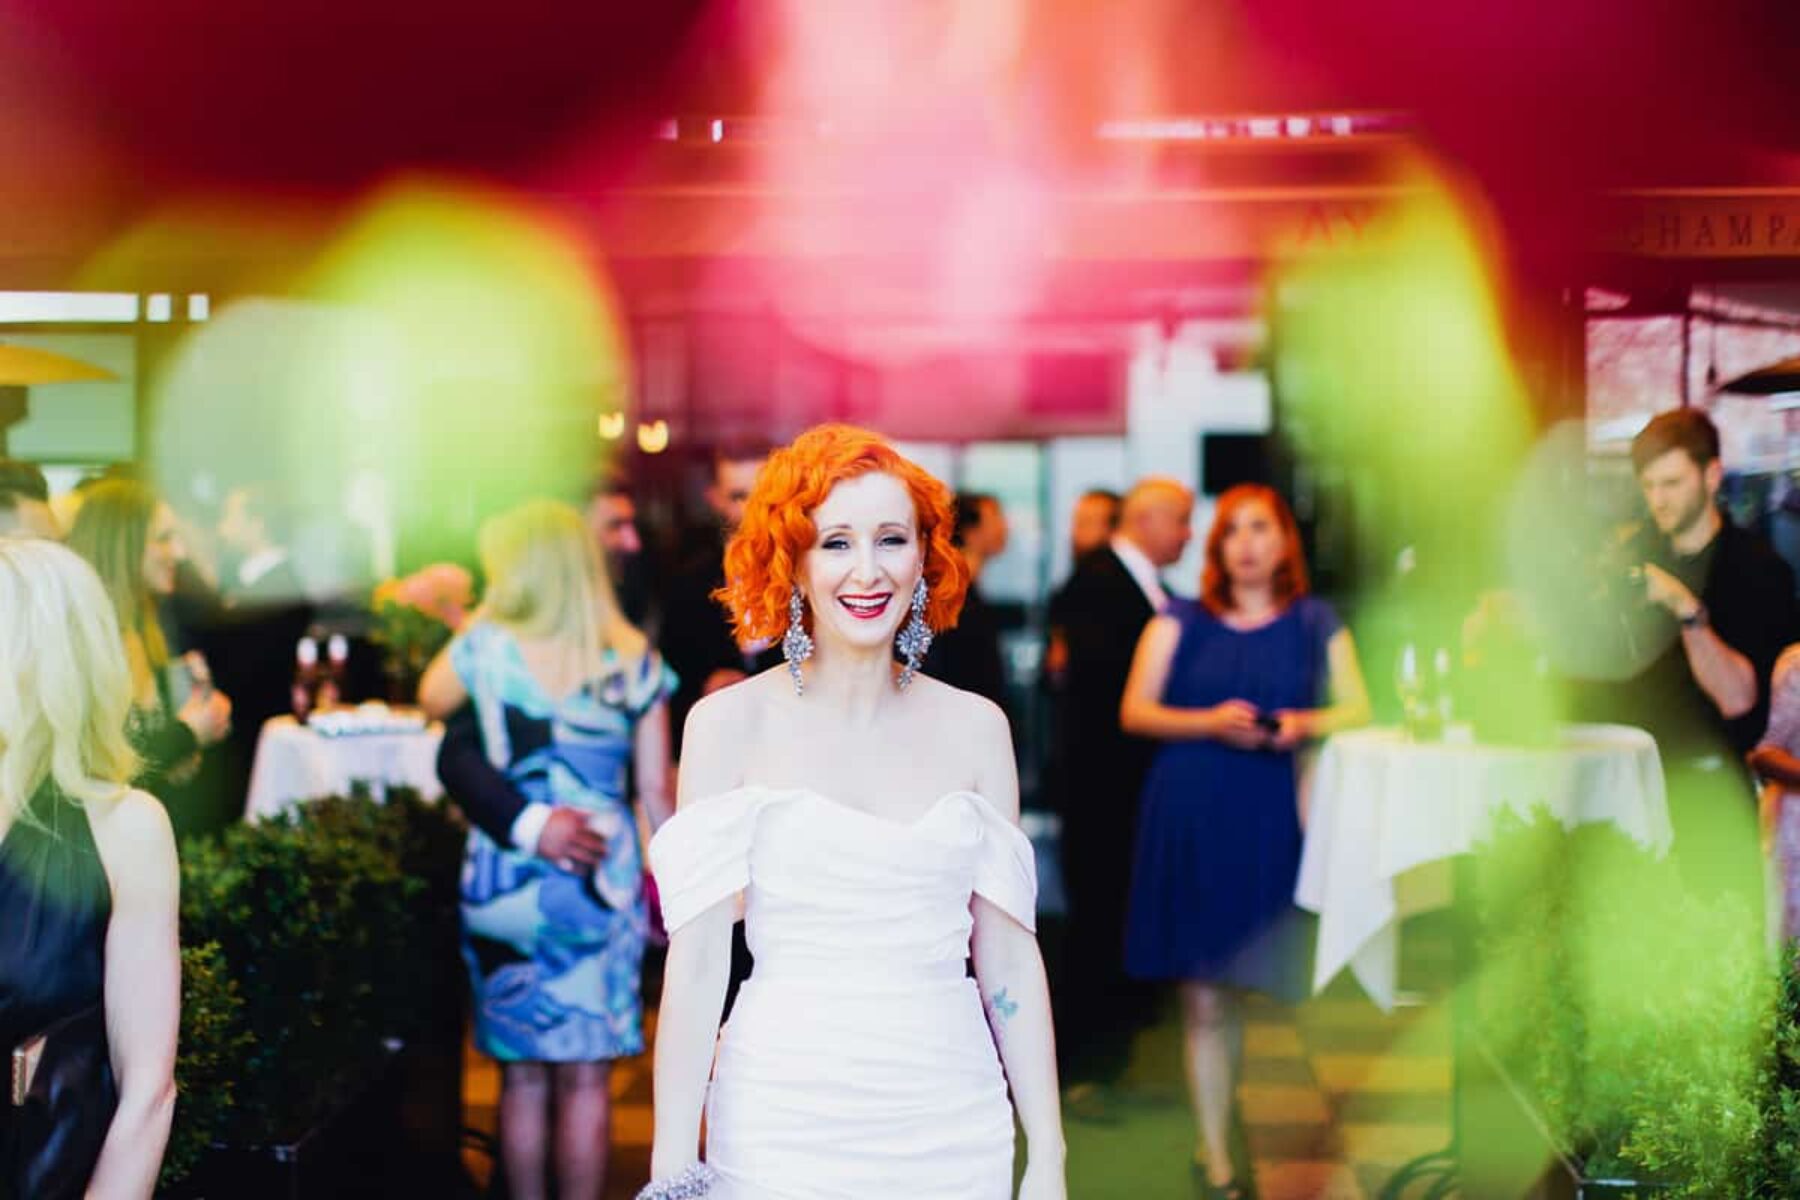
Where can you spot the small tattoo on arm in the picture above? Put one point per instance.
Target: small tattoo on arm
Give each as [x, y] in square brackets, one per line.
[1001, 1008]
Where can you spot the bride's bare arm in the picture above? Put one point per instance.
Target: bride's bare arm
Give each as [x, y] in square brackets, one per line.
[1009, 969]
[698, 969]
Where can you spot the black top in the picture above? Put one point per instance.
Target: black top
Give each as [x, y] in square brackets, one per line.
[57, 901]
[1748, 592]
[250, 648]
[171, 761]
[697, 637]
[968, 655]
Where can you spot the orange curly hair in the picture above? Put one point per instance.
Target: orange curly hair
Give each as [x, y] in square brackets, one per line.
[1290, 580]
[762, 560]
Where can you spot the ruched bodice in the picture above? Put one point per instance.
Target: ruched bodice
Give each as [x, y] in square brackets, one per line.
[833, 888]
[857, 1061]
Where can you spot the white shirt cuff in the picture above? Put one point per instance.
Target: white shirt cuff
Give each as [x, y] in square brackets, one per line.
[528, 827]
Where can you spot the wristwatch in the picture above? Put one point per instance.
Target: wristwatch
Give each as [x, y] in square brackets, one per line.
[1694, 619]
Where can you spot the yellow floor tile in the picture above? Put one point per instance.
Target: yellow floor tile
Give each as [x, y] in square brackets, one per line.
[1268, 1040]
[1273, 1104]
[1382, 1073]
[1391, 1144]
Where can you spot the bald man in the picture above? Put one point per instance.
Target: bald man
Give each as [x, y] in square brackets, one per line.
[1104, 608]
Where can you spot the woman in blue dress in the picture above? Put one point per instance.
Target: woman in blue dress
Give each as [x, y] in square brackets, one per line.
[566, 701]
[1232, 686]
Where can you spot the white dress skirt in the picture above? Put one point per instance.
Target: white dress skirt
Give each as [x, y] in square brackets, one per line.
[857, 1061]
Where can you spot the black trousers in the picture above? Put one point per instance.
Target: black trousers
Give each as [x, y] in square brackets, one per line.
[1098, 1007]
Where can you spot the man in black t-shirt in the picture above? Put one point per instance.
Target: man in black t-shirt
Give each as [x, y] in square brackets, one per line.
[1729, 596]
[1724, 603]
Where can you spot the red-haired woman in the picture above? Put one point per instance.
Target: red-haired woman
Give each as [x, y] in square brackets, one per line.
[862, 820]
[1232, 686]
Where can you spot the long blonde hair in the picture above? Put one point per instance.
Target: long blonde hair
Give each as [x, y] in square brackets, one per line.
[545, 579]
[111, 531]
[65, 691]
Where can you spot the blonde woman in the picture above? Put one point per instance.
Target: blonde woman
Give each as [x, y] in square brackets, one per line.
[568, 704]
[133, 541]
[90, 968]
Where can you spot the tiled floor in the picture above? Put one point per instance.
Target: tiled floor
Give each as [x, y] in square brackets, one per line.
[1336, 1096]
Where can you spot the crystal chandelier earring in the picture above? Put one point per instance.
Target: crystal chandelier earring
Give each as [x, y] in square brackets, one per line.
[915, 638]
[796, 643]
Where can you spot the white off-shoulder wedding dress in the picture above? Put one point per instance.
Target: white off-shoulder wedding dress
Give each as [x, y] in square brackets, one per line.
[857, 1061]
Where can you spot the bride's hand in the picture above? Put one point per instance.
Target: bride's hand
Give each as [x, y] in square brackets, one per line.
[1043, 1181]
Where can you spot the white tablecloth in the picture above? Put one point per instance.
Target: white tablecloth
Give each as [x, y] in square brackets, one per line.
[1382, 806]
[294, 763]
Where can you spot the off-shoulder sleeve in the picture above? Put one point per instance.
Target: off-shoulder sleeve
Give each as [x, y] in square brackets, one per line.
[1006, 866]
[701, 855]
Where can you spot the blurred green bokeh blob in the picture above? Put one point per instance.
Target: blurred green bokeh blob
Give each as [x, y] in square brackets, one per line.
[447, 356]
[502, 345]
[1395, 374]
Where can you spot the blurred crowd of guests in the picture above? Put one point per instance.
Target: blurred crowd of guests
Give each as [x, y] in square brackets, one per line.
[210, 650]
[1181, 712]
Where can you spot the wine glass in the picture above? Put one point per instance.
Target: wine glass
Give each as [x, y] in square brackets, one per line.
[1409, 685]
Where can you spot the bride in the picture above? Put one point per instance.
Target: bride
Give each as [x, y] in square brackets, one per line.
[862, 820]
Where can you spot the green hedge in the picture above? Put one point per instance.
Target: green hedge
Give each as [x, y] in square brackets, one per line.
[317, 935]
[1646, 1023]
[213, 1044]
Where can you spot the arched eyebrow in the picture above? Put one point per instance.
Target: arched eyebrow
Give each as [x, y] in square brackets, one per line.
[845, 527]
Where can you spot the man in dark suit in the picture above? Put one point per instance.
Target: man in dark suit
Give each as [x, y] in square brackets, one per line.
[264, 612]
[697, 640]
[1091, 526]
[968, 655]
[1112, 595]
[612, 518]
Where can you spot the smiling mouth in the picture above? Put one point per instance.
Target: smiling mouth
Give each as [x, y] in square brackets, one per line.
[866, 608]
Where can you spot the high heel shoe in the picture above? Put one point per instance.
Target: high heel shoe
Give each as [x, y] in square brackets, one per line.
[1206, 1189]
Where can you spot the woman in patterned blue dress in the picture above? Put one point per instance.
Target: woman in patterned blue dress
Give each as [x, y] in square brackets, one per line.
[567, 701]
[1232, 686]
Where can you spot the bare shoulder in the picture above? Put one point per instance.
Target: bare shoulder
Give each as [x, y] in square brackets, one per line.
[976, 714]
[135, 840]
[724, 712]
[1163, 629]
[718, 728]
[976, 730]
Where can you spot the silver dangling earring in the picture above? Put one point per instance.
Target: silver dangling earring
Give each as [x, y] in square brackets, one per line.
[915, 638]
[796, 643]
